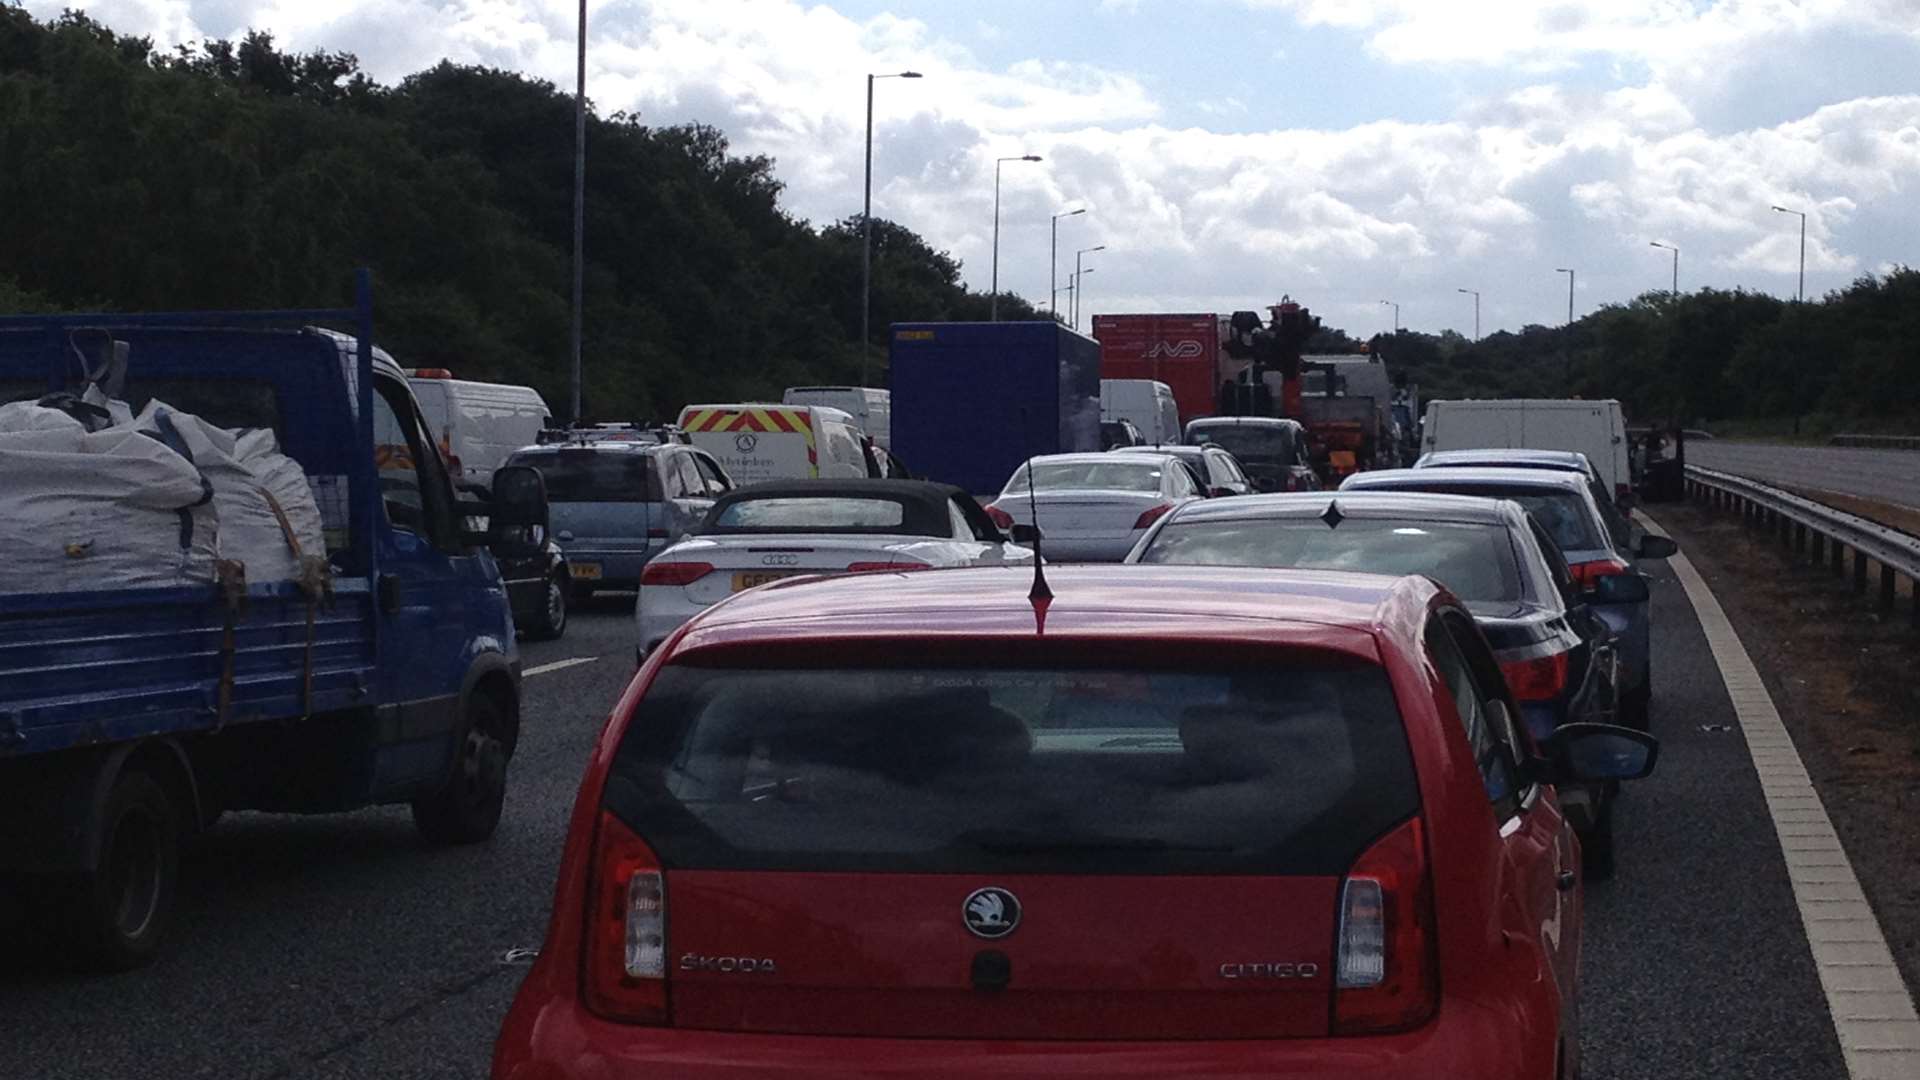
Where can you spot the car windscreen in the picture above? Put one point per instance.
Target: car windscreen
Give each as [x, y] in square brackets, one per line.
[1563, 513]
[1108, 475]
[1474, 561]
[821, 513]
[1248, 442]
[1288, 768]
[590, 476]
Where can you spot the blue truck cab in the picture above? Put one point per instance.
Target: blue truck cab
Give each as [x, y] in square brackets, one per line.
[130, 718]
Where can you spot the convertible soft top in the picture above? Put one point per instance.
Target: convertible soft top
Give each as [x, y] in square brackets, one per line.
[924, 506]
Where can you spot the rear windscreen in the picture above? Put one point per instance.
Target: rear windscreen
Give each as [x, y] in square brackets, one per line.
[1140, 475]
[587, 476]
[1475, 562]
[1562, 513]
[1280, 769]
[1248, 442]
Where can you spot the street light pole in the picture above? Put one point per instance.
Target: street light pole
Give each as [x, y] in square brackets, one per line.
[1676, 263]
[1802, 294]
[1569, 273]
[1475, 293]
[579, 210]
[1079, 289]
[866, 231]
[993, 304]
[1076, 279]
[1053, 263]
[1396, 316]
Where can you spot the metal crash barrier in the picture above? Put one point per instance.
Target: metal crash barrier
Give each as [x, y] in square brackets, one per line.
[1817, 532]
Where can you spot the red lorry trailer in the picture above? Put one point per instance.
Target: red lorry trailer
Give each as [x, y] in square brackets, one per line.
[1182, 351]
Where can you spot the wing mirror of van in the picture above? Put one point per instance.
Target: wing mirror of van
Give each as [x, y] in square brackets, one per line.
[1655, 547]
[1594, 753]
[1618, 589]
[519, 498]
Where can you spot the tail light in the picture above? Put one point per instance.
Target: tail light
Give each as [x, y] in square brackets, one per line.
[882, 567]
[1539, 679]
[1152, 516]
[1586, 573]
[674, 573]
[1387, 973]
[1001, 519]
[626, 961]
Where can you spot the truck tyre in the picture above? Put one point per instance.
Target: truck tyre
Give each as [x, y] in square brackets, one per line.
[551, 622]
[114, 917]
[467, 809]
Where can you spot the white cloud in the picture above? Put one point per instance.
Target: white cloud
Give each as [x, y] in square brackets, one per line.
[1549, 172]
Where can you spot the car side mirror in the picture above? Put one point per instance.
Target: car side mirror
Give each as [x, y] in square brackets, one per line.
[1024, 534]
[519, 497]
[1655, 547]
[1594, 753]
[1217, 492]
[1626, 588]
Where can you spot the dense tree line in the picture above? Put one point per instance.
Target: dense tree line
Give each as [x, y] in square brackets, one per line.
[1851, 359]
[237, 175]
[234, 174]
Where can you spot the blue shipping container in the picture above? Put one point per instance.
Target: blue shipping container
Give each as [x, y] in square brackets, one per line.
[971, 401]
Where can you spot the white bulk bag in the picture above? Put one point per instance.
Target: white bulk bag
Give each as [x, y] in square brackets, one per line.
[251, 479]
[109, 509]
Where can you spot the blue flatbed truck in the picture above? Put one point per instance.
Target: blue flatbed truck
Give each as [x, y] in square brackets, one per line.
[131, 718]
[971, 401]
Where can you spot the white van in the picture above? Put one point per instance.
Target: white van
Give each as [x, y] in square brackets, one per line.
[1146, 402]
[477, 424]
[1597, 429]
[758, 441]
[871, 409]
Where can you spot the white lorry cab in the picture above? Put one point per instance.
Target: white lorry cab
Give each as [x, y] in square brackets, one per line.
[871, 408]
[1597, 429]
[477, 424]
[1146, 402]
[757, 441]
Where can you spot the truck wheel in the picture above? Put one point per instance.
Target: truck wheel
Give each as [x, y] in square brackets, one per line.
[466, 810]
[551, 622]
[1596, 847]
[114, 917]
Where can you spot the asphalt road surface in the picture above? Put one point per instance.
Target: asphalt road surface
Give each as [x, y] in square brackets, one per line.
[1887, 475]
[342, 947]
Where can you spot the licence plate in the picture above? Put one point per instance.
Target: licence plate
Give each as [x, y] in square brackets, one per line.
[748, 581]
[584, 571]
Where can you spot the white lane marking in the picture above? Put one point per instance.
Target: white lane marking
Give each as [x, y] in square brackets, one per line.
[1872, 1009]
[558, 665]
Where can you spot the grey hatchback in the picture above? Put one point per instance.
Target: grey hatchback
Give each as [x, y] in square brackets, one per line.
[614, 505]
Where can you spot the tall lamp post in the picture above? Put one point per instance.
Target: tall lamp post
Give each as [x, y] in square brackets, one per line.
[1076, 279]
[1396, 315]
[579, 210]
[1475, 293]
[1802, 294]
[1053, 262]
[1676, 263]
[1080, 288]
[866, 230]
[993, 305]
[1569, 273]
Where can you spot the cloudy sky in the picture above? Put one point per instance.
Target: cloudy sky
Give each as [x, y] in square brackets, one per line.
[1229, 151]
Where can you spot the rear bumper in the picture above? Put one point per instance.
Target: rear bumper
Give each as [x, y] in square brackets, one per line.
[564, 1042]
[659, 611]
[1107, 549]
